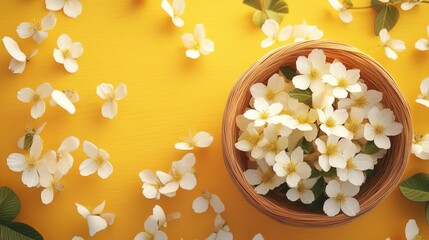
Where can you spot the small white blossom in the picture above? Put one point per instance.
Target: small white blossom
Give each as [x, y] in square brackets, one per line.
[354, 124]
[409, 4]
[175, 10]
[65, 99]
[107, 92]
[37, 30]
[311, 70]
[356, 164]
[342, 8]
[271, 92]
[67, 53]
[341, 198]
[293, 168]
[391, 46]
[274, 33]
[343, 80]
[98, 161]
[420, 146]
[381, 125]
[263, 112]
[97, 220]
[181, 175]
[151, 184]
[423, 98]
[19, 59]
[28, 95]
[272, 144]
[64, 160]
[249, 141]
[201, 139]
[71, 8]
[264, 177]
[331, 152]
[304, 32]
[423, 43]
[302, 191]
[201, 203]
[26, 141]
[152, 231]
[365, 100]
[197, 43]
[222, 231]
[332, 121]
[52, 184]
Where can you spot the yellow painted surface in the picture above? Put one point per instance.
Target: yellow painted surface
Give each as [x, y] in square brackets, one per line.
[134, 41]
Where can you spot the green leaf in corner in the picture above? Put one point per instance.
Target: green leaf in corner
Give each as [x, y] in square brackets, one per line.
[304, 96]
[288, 72]
[370, 148]
[377, 5]
[18, 231]
[9, 204]
[268, 9]
[427, 213]
[416, 188]
[387, 17]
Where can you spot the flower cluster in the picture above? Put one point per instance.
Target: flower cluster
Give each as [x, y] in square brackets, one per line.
[155, 223]
[321, 129]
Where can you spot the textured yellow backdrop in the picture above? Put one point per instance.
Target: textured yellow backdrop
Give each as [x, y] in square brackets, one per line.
[134, 41]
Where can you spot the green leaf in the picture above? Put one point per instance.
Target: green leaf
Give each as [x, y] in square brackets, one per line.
[387, 17]
[303, 96]
[288, 72]
[9, 204]
[331, 173]
[416, 188]
[377, 5]
[270, 9]
[348, 3]
[314, 173]
[18, 231]
[370, 148]
[28, 141]
[427, 213]
[318, 188]
[306, 146]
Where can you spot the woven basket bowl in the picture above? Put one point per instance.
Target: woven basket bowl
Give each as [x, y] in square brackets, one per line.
[388, 170]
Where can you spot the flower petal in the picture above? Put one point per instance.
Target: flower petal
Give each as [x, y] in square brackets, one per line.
[90, 149]
[54, 5]
[88, 167]
[63, 101]
[72, 8]
[64, 42]
[70, 65]
[105, 170]
[76, 50]
[192, 53]
[199, 32]
[82, 210]
[109, 109]
[47, 195]
[16, 162]
[411, 229]
[188, 181]
[200, 205]
[217, 204]
[350, 207]
[331, 207]
[121, 91]
[13, 49]
[25, 95]
[49, 21]
[96, 224]
[25, 30]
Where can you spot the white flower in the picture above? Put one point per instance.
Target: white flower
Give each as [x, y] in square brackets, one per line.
[354, 124]
[412, 230]
[37, 30]
[97, 220]
[175, 11]
[152, 231]
[420, 146]
[264, 177]
[162, 220]
[26, 141]
[331, 152]
[356, 164]
[222, 231]
[332, 121]
[197, 43]
[302, 191]
[249, 139]
[311, 69]
[151, 184]
[52, 184]
[271, 145]
[258, 237]
[77, 238]
[423, 98]
[181, 175]
[67, 53]
[293, 168]
[263, 112]
[98, 161]
[274, 33]
[200, 139]
[32, 166]
[64, 160]
[341, 197]
[366, 99]
[201, 203]
[65, 99]
[19, 59]
[28, 95]
[345, 15]
[299, 116]
[343, 80]
[391, 46]
[423, 43]
[271, 92]
[71, 8]
[409, 4]
[381, 125]
[304, 32]
[106, 92]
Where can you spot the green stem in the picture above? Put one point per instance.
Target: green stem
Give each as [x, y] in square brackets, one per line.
[263, 8]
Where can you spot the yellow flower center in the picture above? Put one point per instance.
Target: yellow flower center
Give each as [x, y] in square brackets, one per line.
[331, 149]
[30, 162]
[266, 177]
[378, 129]
[66, 53]
[330, 122]
[264, 115]
[342, 82]
[352, 126]
[350, 164]
[314, 74]
[99, 160]
[271, 147]
[340, 198]
[269, 95]
[36, 97]
[302, 118]
[37, 25]
[290, 168]
[361, 102]
[301, 187]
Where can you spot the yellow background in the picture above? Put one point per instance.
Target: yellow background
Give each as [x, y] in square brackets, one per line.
[134, 41]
